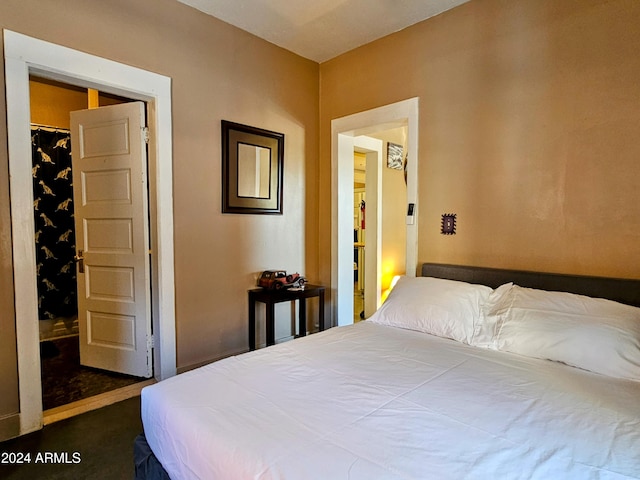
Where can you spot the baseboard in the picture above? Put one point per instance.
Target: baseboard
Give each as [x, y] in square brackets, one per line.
[227, 355]
[193, 366]
[9, 426]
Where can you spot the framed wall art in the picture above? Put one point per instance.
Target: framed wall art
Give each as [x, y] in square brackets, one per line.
[394, 156]
[252, 169]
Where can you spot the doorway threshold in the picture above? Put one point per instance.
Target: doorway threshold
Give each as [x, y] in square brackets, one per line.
[93, 403]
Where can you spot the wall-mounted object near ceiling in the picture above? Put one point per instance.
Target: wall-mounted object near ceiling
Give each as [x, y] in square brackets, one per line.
[252, 169]
[394, 156]
[448, 224]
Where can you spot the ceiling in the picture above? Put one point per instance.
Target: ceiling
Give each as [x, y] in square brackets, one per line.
[322, 29]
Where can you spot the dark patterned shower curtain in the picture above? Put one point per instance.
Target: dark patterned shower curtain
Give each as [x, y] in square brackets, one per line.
[54, 224]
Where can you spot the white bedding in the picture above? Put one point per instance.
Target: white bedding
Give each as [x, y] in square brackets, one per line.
[371, 401]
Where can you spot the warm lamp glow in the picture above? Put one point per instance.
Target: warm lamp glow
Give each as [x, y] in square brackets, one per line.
[389, 271]
[386, 292]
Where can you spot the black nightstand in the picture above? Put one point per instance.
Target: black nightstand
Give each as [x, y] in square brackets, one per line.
[271, 297]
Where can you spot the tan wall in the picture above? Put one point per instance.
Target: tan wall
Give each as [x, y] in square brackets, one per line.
[394, 210]
[528, 131]
[218, 72]
[51, 102]
[9, 402]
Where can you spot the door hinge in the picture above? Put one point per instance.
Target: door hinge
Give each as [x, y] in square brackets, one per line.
[145, 134]
[151, 343]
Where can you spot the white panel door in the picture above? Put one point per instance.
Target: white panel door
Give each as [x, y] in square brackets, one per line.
[112, 241]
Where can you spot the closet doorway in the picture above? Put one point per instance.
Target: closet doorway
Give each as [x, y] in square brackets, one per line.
[67, 375]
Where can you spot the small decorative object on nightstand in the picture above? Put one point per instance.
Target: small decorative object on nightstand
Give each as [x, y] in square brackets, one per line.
[277, 279]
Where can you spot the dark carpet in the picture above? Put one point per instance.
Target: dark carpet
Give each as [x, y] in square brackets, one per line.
[94, 445]
[64, 380]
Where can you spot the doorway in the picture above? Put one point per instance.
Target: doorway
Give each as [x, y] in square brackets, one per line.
[368, 245]
[359, 229]
[26, 56]
[67, 374]
[379, 217]
[344, 132]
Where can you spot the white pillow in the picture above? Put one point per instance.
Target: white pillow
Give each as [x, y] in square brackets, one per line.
[446, 308]
[492, 313]
[594, 334]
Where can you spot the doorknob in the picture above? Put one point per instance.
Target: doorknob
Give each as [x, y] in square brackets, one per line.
[79, 259]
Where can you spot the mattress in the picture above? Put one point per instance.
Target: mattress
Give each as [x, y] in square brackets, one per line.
[370, 401]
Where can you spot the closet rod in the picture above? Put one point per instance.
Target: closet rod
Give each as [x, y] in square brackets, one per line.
[49, 128]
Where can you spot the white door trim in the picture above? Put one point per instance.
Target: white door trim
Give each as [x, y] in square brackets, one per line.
[343, 131]
[23, 56]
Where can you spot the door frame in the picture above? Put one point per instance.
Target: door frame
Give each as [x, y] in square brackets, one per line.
[24, 56]
[343, 132]
[372, 148]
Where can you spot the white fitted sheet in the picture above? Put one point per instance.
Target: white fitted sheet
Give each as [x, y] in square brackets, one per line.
[370, 402]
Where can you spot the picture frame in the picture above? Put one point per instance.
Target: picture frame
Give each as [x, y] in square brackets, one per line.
[252, 169]
[394, 156]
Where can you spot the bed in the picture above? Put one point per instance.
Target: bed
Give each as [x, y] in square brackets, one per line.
[463, 373]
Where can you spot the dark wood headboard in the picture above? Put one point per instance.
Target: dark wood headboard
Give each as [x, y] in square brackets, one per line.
[618, 289]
